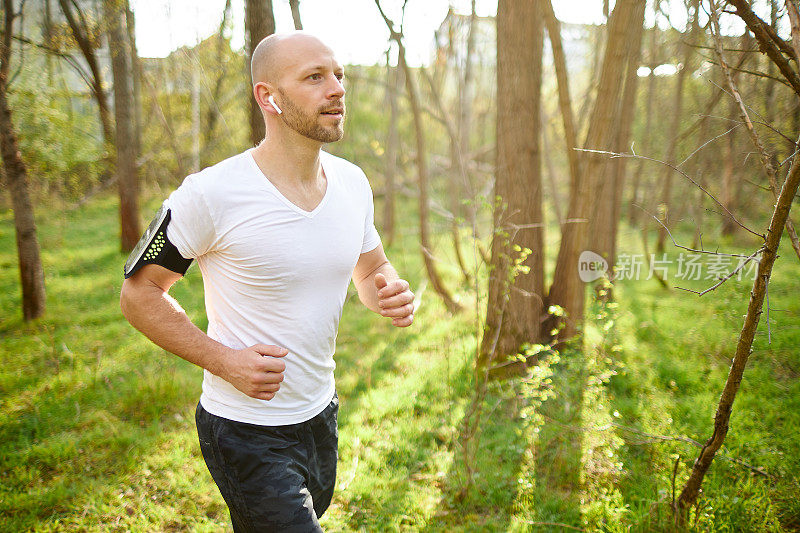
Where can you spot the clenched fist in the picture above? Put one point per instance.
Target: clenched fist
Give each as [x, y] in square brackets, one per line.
[395, 300]
[256, 371]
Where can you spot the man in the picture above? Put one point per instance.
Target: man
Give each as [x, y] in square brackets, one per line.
[278, 232]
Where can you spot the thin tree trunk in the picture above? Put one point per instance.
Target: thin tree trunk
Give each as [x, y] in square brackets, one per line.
[170, 131]
[16, 175]
[456, 174]
[758, 293]
[259, 23]
[728, 171]
[564, 100]
[518, 219]
[466, 111]
[610, 214]
[466, 88]
[551, 175]
[567, 290]
[634, 211]
[393, 87]
[213, 109]
[295, 6]
[136, 75]
[766, 158]
[770, 108]
[127, 176]
[422, 172]
[676, 111]
[744, 344]
[422, 169]
[605, 208]
[195, 119]
[701, 167]
[88, 51]
[47, 37]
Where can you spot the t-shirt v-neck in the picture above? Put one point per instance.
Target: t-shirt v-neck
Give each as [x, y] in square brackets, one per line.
[267, 183]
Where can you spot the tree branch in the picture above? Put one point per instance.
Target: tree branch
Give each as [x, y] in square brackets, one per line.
[767, 42]
[765, 158]
[682, 173]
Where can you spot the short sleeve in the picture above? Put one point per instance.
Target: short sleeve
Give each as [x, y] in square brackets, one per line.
[371, 237]
[191, 228]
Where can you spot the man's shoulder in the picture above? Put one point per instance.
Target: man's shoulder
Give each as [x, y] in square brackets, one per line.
[341, 164]
[211, 181]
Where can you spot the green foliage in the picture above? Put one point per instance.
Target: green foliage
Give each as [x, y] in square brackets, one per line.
[59, 138]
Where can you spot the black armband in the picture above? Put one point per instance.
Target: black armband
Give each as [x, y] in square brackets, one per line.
[154, 248]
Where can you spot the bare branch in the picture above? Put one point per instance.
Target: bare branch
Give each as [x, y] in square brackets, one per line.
[707, 143]
[765, 158]
[71, 61]
[768, 43]
[682, 173]
[729, 276]
[700, 251]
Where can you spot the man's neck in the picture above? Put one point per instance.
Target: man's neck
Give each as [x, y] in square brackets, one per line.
[294, 160]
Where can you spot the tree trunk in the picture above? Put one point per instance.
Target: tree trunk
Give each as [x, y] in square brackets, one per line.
[295, 6]
[195, 119]
[518, 220]
[422, 171]
[136, 75]
[16, 175]
[88, 51]
[633, 211]
[47, 37]
[607, 200]
[676, 111]
[259, 23]
[213, 109]
[758, 293]
[564, 100]
[393, 87]
[466, 89]
[728, 164]
[466, 111]
[568, 291]
[765, 157]
[422, 168]
[744, 344]
[551, 175]
[127, 176]
[701, 170]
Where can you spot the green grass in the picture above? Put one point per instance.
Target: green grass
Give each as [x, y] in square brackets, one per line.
[97, 429]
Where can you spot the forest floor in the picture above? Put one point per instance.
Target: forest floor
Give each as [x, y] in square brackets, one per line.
[97, 424]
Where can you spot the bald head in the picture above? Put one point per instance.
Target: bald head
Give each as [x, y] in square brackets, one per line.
[274, 52]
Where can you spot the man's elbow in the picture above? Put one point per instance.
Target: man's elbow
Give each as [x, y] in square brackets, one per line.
[132, 299]
[126, 299]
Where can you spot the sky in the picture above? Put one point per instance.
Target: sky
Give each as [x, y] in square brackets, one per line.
[352, 28]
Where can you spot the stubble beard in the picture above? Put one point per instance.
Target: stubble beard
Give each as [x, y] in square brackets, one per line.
[308, 124]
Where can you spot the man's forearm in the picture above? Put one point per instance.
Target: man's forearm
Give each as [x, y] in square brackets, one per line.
[367, 292]
[162, 320]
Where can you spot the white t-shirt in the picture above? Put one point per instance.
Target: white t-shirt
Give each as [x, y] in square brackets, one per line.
[273, 274]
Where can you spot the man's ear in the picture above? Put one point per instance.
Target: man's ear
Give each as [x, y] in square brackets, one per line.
[261, 92]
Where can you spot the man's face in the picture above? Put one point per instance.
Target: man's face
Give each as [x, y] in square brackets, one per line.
[324, 123]
[311, 94]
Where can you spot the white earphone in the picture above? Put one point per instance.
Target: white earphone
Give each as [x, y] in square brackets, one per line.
[271, 100]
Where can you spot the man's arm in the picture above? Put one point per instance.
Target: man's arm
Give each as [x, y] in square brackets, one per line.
[146, 304]
[381, 289]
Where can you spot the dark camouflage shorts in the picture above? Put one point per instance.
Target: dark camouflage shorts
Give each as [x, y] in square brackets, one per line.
[273, 478]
